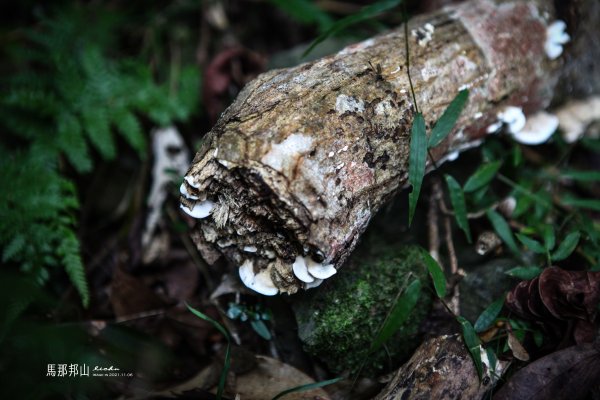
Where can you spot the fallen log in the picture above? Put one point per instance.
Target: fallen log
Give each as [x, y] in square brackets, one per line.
[289, 177]
[442, 368]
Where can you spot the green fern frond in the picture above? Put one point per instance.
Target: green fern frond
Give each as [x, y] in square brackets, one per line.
[97, 129]
[13, 248]
[68, 96]
[69, 252]
[39, 101]
[71, 141]
[129, 127]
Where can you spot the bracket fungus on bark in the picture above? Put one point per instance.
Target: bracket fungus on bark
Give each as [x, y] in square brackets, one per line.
[297, 165]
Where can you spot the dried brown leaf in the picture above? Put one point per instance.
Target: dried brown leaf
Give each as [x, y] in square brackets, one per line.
[517, 348]
[567, 374]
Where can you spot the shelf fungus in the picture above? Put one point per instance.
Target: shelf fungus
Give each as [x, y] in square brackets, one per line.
[289, 177]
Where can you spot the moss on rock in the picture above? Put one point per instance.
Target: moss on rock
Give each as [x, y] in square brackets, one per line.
[339, 321]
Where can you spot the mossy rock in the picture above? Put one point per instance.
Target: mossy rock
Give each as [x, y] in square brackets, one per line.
[339, 321]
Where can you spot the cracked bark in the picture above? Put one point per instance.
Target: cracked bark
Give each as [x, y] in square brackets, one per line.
[303, 158]
[442, 368]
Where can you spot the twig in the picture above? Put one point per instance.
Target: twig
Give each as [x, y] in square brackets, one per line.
[455, 299]
[432, 225]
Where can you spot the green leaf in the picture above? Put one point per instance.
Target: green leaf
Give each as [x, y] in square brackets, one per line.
[260, 328]
[583, 176]
[531, 244]
[457, 198]
[549, 237]
[128, 125]
[524, 273]
[492, 359]
[589, 204]
[472, 342]
[417, 160]
[97, 127]
[14, 247]
[234, 311]
[487, 317]
[365, 13]
[308, 386]
[448, 119]
[437, 274]
[227, 362]
[566, 247]
[399, 313]
[72, 143]
[482, 176]
[503, 230]
[305, 11]
[70, 255]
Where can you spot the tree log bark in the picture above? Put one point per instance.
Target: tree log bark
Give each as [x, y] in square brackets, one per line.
[441, 368]
[287, 180]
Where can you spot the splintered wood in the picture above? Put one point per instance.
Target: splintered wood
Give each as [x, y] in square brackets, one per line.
[287, 180]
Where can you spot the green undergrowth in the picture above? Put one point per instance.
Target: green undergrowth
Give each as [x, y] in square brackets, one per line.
[67, 100]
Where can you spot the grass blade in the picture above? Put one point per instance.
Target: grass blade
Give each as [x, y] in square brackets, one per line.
[487, 317]
[583, 176]
[437, 274]
[457, 198]
[482, 176]
[365, 13]
[531, 244]
[308, 386]
[566, 247]
[589, 204]
[524, 273]
[503, 230]
[399, 313]
[417, 159]
[448, 119]
[472, 342]
[220, 328]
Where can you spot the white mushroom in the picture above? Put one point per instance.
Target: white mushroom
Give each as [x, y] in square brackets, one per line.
[260, 282]
[555, 38]
[199, 210]
[190, 182]
[250, 249]
[575, 116]
[301, 271]
[507, 206]
[184, 192]
[314, 284]
[538, 129]
[513, 117]
[320, 271]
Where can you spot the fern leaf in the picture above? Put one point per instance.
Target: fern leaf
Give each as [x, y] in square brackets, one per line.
[68, 250]
[72, 143]
[13, 248]
[128, 125]
[40, 101]
[97, 128]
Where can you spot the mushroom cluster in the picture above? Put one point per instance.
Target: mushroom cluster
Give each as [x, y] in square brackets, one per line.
[536, 129]
[259, 266]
